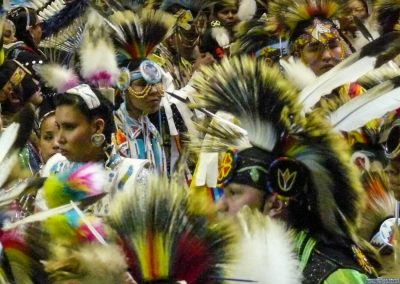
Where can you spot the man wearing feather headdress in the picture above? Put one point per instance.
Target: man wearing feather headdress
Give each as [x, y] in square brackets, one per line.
[287, 167]
[314, 37]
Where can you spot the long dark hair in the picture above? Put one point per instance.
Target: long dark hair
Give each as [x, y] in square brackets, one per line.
[23, 18]
[104, 111]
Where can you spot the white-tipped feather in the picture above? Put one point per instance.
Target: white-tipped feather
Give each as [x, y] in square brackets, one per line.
[40, 216]
[373, 104]
[372, 56]
[337, 76]
[297, 72]
[247, 10]
[385, 72]
[7, 165]
[221, 35]
[98, 61]
[265, 252]
[7, 139]
[58, 77]
[265, 139]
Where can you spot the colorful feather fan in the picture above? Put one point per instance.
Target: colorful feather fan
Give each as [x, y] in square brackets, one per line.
[165, 240]
[98, 59]
[15, 260]
[75, 184]
[266, 106]
[71, 247]
[136, 35]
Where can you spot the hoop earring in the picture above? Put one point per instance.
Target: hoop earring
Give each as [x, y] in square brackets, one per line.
[98, 139]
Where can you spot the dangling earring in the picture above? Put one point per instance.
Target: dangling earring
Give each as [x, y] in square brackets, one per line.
[98, 139]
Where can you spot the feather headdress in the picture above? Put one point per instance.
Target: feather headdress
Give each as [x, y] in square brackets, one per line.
[47, 9]
[137, 34]
[290, 13]
[266, 106]
[97, 54]
[64, 25]
[165, 240]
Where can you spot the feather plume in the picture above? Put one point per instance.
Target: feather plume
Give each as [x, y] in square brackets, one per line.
[66, 39]
[137, 35]
[14, 139]
[98, 60]
[380, 203]
[47, 9]
[265, 105]
[89, 264]
[164, 239]
[245, 89]
[371, 56]
[19, 189]
[297, 72]
[371, 105]
[264, 243]
[58, 77]
[75, 184]
[221, 35]
[375, 77]
[247, 10]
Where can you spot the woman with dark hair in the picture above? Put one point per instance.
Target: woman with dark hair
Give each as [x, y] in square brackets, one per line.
[17, 87]
[28, 32]
[47, 131]
[85, 127]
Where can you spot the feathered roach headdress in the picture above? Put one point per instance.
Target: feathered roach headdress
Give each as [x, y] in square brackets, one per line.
[136, 35]
[305, 19]
[303, 160]
[165, 240]
[388, 14]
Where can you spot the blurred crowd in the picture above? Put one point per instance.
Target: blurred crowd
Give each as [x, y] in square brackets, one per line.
[200, 141]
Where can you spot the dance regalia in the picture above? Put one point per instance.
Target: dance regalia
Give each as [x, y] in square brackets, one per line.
[139, 139]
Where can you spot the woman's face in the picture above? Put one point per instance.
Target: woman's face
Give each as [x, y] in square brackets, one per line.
[74, 134]
[36, 31]
[48, 145]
